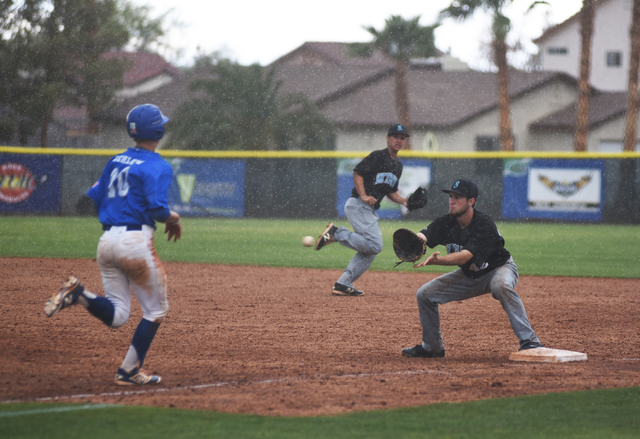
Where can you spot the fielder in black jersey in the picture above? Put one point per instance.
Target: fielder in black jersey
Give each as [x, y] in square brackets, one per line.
[375, 177]
[474, 244]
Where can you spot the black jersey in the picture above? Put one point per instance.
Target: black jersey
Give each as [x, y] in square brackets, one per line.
[481, 238]
[380, 173]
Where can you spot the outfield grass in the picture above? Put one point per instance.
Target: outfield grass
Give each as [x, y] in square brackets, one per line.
[538, 249]
[589, 414]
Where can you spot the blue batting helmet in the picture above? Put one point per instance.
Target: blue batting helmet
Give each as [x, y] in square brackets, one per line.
[146, 122]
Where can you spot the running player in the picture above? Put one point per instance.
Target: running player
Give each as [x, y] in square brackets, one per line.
[375, 177]
[130, 197]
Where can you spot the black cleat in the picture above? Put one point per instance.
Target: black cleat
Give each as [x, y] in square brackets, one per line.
[419, 352]
[529, 344]
[327, 236]
[343, 290]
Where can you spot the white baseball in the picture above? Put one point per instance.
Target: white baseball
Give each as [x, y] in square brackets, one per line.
[308, 241]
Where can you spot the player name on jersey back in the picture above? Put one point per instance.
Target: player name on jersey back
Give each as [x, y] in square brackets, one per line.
[127, 160]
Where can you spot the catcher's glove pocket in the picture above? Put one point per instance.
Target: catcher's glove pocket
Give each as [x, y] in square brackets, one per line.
[408, 246]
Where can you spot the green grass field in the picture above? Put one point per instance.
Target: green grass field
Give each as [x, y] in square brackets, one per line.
[539, 249]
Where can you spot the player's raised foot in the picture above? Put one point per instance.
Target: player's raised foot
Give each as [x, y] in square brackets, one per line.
[529, 344]
[419, 352]
[343, 290]
[67, 296]
[135, 378]
[326, 237]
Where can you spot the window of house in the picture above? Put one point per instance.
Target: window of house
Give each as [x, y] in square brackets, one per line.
[557, 50]
[614, 59]
[487, 143]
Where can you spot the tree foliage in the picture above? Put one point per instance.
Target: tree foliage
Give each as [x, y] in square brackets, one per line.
[51, 53]
[241, 107]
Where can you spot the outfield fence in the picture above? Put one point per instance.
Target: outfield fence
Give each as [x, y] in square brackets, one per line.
[514, 186]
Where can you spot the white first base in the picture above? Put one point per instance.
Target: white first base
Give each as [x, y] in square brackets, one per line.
[547, 355]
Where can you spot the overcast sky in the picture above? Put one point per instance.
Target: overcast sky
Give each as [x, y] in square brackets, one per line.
[260, 31]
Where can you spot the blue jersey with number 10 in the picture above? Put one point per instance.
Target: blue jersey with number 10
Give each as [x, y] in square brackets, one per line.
[133, 189]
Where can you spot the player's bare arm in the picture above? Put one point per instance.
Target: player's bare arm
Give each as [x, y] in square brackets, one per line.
[397, 198]
[358, 183]
[457, 258]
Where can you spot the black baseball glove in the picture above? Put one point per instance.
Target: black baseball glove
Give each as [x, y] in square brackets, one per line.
[418, 199]
[408, 246]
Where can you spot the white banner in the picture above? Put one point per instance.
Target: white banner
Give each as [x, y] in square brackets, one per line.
[564, 189]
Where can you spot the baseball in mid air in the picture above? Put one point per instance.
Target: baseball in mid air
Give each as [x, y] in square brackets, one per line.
[308, 241]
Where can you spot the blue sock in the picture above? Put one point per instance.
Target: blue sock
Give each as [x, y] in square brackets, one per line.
[142, 338]
[102, 308]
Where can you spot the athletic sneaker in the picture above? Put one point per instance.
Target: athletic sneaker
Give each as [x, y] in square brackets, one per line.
[67, 296]
[327, 236]
[135, 377]
[343, 290]
[419, 352]
[530, 344]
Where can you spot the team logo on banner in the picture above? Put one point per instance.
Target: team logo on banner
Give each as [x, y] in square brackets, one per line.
[565, 188]
[186, 182]
[17, 182]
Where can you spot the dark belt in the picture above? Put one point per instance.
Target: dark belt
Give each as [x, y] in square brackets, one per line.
[130, 227]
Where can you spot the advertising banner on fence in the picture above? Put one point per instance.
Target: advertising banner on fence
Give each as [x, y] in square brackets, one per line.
[571, 190]
[207, 187]
[30, 183]
[415, 172]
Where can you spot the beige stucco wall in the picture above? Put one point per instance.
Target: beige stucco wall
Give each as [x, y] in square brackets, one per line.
[524, 110]
[611, 33]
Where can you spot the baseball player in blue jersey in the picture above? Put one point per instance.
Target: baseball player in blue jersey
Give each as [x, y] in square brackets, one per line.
[375, 177]
[130, 196]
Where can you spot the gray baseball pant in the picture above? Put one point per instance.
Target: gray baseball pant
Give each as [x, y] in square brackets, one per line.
[366, 238]
[455, 286]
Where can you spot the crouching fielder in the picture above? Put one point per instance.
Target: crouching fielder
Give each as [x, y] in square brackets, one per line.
[130, 197]
[474, 244]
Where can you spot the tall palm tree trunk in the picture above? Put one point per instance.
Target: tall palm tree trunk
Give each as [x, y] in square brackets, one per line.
[402, 97]
[44, 130]
[586, 34]
[633, 98]
[500, 57]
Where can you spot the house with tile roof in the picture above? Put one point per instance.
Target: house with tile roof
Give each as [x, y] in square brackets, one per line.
[559, 50]
[453, 108]
[146, 73]
[559, 46]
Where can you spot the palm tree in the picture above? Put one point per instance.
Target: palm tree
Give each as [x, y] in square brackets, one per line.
[462, 10]
[401, 40]
[586, 33]
[633, 99]
[240, 107]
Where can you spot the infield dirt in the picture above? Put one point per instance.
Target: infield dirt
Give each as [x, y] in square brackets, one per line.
[274, 341]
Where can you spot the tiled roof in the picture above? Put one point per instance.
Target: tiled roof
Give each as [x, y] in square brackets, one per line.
[167, 98]
[559, 27]
[331, 53]
[603, 107]
[437, 98]
[145, 65]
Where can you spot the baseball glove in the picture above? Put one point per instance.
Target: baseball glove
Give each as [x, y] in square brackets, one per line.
[418, 199]
[408, 246]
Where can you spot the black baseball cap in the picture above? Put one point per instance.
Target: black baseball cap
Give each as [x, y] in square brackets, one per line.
[464, 187]
[398, 129]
